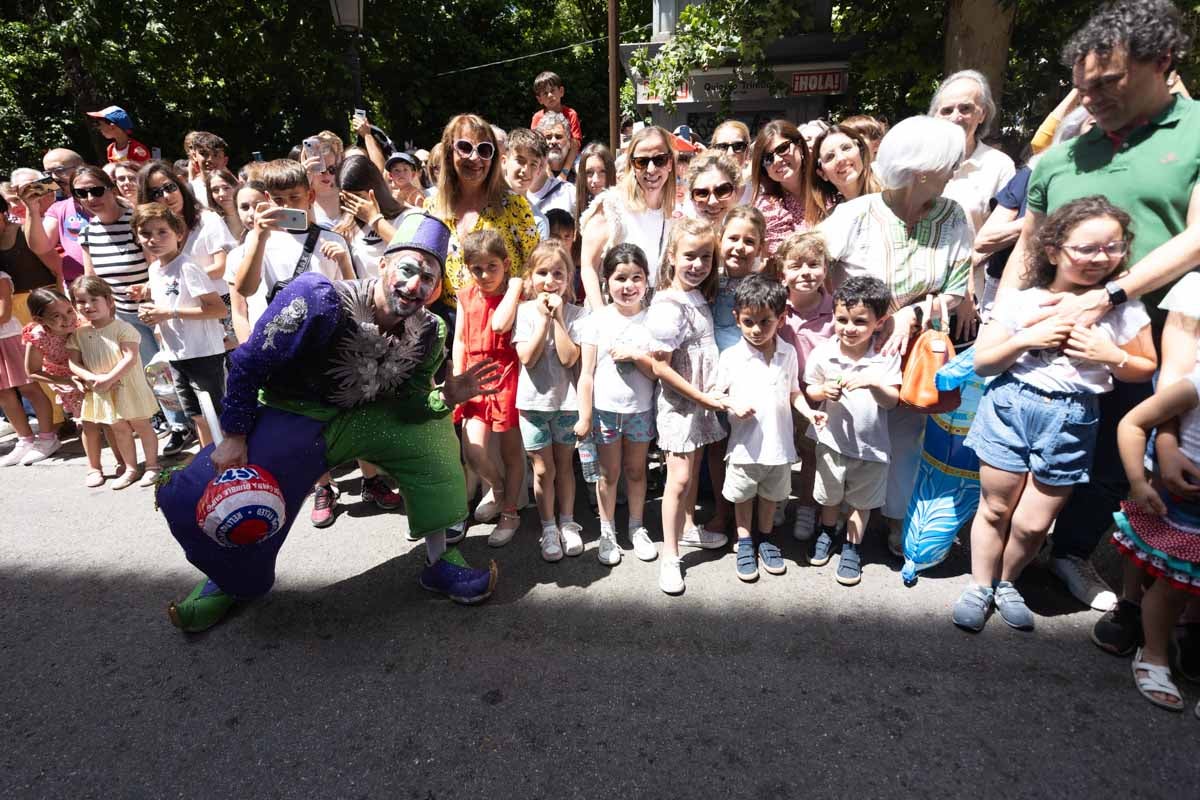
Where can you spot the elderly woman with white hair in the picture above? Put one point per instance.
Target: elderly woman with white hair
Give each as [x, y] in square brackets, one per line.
[917, 242]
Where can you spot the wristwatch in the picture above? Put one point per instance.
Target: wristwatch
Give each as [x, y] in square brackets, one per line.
[1116, 295]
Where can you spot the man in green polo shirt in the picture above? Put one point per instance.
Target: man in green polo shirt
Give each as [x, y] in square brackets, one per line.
[1143, 155]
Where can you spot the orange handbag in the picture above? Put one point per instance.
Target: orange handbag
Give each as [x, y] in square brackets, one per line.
[926, 354]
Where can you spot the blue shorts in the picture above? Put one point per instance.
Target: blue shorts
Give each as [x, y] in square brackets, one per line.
[1052, 435]
[610, 426]
[540, 429]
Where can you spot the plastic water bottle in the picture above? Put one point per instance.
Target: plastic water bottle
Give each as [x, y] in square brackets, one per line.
[588, 459]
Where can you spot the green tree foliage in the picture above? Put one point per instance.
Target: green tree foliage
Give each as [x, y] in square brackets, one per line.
[263, 75]
[715, 33]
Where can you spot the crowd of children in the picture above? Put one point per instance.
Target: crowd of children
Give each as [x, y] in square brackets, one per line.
[731, 347]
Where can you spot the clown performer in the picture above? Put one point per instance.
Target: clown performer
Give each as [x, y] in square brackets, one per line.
[336, 371]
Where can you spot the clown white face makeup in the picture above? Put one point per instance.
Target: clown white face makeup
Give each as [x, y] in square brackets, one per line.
[407, 279]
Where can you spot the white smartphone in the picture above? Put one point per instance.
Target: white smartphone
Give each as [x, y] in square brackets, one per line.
[312, 149]
[292, 219]
[360, 113]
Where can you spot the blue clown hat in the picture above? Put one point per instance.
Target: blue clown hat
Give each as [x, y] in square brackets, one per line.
[419, 230]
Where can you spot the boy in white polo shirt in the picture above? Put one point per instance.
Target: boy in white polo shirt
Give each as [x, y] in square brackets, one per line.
[761, 375]
[857, 385]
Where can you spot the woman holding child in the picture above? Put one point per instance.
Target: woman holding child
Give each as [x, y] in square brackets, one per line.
[919, 244]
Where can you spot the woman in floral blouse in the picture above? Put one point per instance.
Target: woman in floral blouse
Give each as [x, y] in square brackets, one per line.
[780, 180]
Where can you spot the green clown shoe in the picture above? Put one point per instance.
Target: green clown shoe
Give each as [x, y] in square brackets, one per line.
[204, 607]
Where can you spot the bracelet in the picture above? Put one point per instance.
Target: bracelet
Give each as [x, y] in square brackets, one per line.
[373, 221]
[1124, 361]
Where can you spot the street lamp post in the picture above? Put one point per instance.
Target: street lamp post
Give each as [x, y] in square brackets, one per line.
[348, 16]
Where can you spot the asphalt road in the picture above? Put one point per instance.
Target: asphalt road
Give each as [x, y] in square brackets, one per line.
[574, 680]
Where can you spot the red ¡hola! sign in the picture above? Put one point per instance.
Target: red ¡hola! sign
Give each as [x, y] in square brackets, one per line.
[830, 81]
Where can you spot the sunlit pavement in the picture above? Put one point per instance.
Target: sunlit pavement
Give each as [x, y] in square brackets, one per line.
[575, 680]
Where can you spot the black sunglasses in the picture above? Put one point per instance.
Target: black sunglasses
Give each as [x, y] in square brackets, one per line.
[641, 162]
[779, 152]
[94, 192]
[737, 147]
[162, 191]
[721, 191]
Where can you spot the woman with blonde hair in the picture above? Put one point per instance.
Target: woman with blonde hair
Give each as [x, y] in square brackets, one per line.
[638, 209]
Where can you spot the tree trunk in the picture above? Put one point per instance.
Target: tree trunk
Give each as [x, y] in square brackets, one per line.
[978, 33]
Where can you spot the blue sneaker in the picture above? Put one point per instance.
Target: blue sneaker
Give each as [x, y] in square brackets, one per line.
[971, 608]
[1012, 608]
[771, 558]
[747, 561]
[452, 576]
[849, 571]
[822, 548]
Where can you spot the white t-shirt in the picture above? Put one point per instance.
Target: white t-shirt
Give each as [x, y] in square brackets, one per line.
[199, 190]
[179, 284]
[1189, 424]
[1050, 370]
[618, 388]
[766, 436]
[977, 180]
[856, 425]
[555, 193]
[367, 248]
[281, 253]
[546, 385]
[210, 236]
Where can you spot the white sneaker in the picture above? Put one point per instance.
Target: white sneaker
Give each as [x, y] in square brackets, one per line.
[609, 553]
[804, 523]
[503, 533]
[488, 509]
[571, 539]
[704, 538]
[17, 453]
[780, 512]
[1084, 583]
[670, 575]
[643, 548]
[41, 450]
[551, 545]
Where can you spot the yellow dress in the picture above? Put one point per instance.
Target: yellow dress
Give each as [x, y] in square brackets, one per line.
[512, 218]
[100, 350]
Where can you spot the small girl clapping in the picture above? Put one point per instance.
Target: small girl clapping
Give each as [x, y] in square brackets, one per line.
[545, 336]
[105, 356]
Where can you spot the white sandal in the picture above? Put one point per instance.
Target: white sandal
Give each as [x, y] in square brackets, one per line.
[1156, 679]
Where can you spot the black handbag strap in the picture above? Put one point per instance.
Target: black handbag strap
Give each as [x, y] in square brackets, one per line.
[310, 244]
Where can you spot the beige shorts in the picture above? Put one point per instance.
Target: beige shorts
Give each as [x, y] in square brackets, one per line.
[862, 485]
[747, 481]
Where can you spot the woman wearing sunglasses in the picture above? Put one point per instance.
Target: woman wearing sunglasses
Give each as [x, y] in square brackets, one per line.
[110, 251]
[637, 210]
[777, 172]
[472, 196]
[714, 186]
[732, 138]
[208, 238]
[839, 170]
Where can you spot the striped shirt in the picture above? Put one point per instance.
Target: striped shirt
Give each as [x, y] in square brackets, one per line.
[865, 237]
[116, 257]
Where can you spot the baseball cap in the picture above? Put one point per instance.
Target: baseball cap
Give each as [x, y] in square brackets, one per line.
[684, 132]
[400, 155]
[116, 115]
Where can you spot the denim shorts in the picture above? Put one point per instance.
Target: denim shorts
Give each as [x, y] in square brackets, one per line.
[610, 426]
[1052, 435]
[540, 429]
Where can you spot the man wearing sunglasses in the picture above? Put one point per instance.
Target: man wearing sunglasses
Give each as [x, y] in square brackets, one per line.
[58, 230]
[299, 401]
